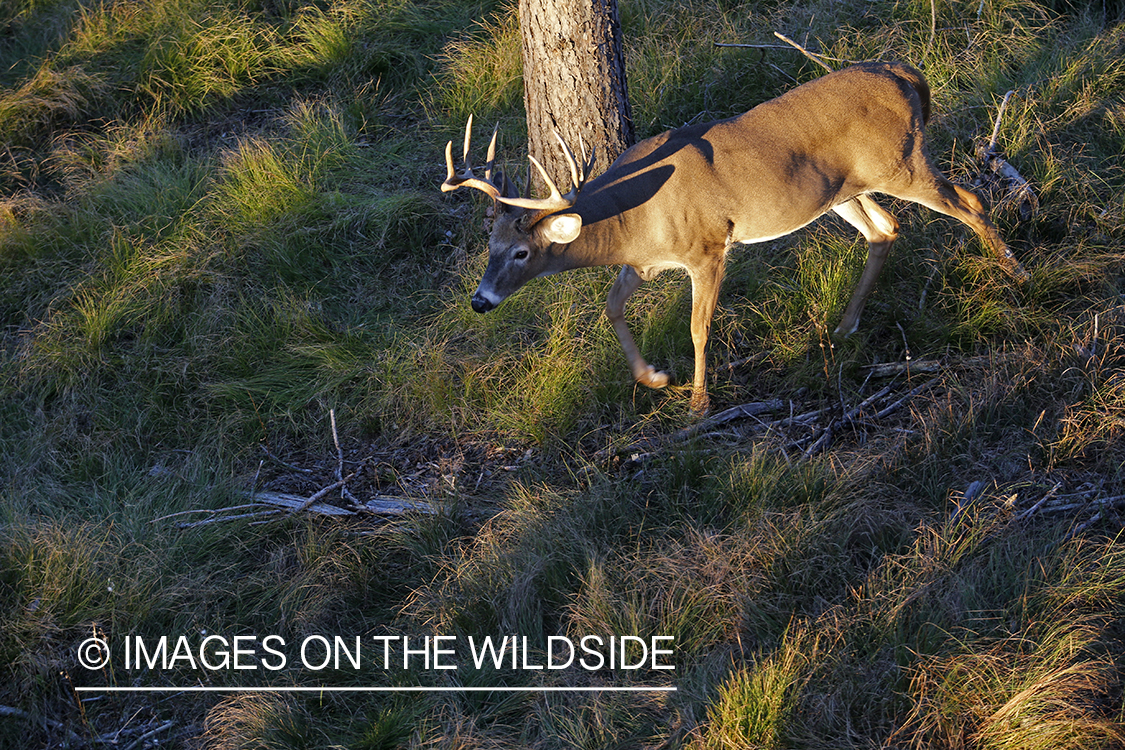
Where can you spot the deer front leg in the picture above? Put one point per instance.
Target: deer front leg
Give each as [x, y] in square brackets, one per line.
[628, 281]
[705, 284]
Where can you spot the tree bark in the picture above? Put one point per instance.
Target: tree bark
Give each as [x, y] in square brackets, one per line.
[574, 82]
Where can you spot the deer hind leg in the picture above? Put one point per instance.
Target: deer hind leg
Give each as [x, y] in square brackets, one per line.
[628, 281]
[880, 229]
[941, 195]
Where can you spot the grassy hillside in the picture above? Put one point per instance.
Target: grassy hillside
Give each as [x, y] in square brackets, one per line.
[225, 267]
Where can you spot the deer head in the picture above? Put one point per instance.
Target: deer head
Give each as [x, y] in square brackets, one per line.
[525, 229]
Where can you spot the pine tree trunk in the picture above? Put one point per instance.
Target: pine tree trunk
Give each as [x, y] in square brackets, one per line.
[574, 82]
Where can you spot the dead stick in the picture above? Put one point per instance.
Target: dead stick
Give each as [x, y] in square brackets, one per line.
[996, 125]
[212, 511]
[742, 410]
[914, 392]
[336, 442]
[846, 419]
[147, 735]
[223, 519]
[286, 464]
[1042, 500]
[731, 366]
[322, 492]
[815, 58]
[1082, 527]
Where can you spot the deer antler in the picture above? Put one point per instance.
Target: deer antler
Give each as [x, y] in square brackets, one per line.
[467, 178]
[556, 201]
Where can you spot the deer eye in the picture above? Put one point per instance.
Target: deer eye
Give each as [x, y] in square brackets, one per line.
[520, 254]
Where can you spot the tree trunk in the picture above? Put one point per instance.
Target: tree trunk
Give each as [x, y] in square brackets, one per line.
[574, 82]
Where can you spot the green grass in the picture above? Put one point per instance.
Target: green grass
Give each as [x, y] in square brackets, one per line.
[220, 229]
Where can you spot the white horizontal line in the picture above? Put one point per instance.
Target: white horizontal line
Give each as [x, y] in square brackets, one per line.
[405, 689]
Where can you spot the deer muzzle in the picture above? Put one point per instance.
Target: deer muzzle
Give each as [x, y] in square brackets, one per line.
[481, 303]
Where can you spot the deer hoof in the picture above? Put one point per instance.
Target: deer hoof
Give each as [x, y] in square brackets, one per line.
[700, 403]
[653, 378]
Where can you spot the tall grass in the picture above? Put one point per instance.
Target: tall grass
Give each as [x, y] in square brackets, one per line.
[219, 224]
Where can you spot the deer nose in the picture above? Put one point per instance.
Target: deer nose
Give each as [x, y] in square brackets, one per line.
[481, 304]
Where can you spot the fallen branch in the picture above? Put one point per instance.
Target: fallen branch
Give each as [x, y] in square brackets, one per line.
[18, 713]
[909, 367]
[893, 407]
[323, 491]
[224, 519]
[281, 502]
[1039, 504]
[732, 366]
[150, 734]
[928, 366]
[1017, 186]
[1054, 503]
[853, 415]
[286, 464]
[1082, 527]
[967, 498]
[735, 412]
[386, 505]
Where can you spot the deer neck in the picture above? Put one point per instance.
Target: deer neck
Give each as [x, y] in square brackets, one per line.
[601, 243]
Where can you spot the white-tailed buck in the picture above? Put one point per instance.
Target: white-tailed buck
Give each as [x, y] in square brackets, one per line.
[683, 198]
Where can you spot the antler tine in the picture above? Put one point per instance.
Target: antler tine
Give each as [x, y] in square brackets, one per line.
[589, 164]
[556, 201]
[575, 169]
[468, 136]
[449, 174]
[555, 194]
[467, 178]
[491, 154]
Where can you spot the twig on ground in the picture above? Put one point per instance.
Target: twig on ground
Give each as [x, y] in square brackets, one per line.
[285, 504]
[913, 392]
[996, 125]
[149, 734]
[967, 498]
[811, 55]
[21, 714]
[324, 491]
[345, 493]
[851, 416]
[286, 464]
[916, 366]
[735, 412]
[732, 366]
[224, 519]
[339, 450]
[1018, 187]
[1082, 527]
[1039, 504]
[1061, 505]
[891, 369]
[204, 510]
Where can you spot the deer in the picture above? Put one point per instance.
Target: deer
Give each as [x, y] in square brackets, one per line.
[684, 198]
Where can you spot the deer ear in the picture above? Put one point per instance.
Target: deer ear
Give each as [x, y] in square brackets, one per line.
[561, 228]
